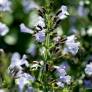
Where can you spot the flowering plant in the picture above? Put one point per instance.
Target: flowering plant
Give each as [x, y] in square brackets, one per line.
[46, 58]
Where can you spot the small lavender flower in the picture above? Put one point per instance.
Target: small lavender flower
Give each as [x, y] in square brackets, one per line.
[32, 50]
[82, 11]
[71, 46]
[61, 70]
[63, 77]
[3, 29]
[40, 23]
[24, 80]
[63, 14]
[29, 5]
[5, 5]
[17, 61]
[65, 66]
[87, 83]
[25, 29]
[88, 69]
[64, 80]
[40, 36]
[15, 69]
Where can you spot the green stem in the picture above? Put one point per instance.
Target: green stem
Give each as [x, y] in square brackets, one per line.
[45, 73]
[47, 46]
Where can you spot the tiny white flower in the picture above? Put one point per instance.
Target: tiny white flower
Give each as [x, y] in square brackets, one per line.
[71, 38]
[57, 39]
[5, 5]
[35, 66]
[67, 79]
[62, 16]
[89, 31]
[71, 46]
[41, 62]
[83, 32]
[88, 69]
[64, 9]
[3, 29]
[42, 50]
[60, 84]
[63, 13]
[25, 29]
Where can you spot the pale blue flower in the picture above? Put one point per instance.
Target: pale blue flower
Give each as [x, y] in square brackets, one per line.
[15, 69]
[29, 5]
[87, 83]
[25, 29]
[88, 69]
[32, 50]
[61, 71]
[40, 24]
[40, 36]
[65, 66]
[71, 46]
[25, 79]
[3, 29]
[63, 13]
[5, 5]
[66, 79]
[63, 77]
[17, 61]
[82, 11]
